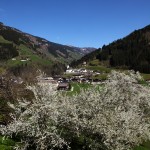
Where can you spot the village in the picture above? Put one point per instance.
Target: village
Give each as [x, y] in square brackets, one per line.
[79, 75]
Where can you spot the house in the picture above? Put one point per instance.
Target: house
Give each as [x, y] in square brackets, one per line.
[84, 63]
[47, 81]
[69, 71]
[23, 60]
[82, 70]
[68, 67]
[17, 80]
[63, 86]
[13, 59]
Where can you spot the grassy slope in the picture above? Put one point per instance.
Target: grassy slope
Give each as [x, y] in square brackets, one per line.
[99, 68]
[2, 40]
[77, 87]
[26, 52]
[6, 144]
[144, 146]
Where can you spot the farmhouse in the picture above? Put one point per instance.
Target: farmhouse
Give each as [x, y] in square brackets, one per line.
[63, 86]
[48, 81]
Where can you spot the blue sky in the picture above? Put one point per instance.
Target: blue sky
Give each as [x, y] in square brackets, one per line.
[76, 22]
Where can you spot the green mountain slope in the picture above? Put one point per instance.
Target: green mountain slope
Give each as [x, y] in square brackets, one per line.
[131, 52]
[14, 43]
[22, 49]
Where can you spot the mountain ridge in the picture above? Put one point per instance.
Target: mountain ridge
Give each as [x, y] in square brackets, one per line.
[42, 45]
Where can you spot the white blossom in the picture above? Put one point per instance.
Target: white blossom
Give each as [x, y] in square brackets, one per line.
[116, 115]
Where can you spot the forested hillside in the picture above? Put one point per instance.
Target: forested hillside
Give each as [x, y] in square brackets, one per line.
[132, 51]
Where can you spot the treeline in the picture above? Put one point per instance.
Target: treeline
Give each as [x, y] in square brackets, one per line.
[25, 69]
[10, 35]
[132, 51]
[7, 51]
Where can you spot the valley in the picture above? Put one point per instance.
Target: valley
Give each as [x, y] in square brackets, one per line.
[35, 69]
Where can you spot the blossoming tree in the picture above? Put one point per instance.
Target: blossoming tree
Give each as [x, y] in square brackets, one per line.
[115, 116]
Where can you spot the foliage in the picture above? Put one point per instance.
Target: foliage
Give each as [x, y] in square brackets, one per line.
[6, 141]
[114, 117]
[6, 144]
[11, 35]
[7, 51]
[58, 68]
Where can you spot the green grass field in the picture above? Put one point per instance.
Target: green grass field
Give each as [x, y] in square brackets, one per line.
[6, 144]
[25, 52]
[99, 68]
[146, 76]
[77, 87]
[144, 146]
